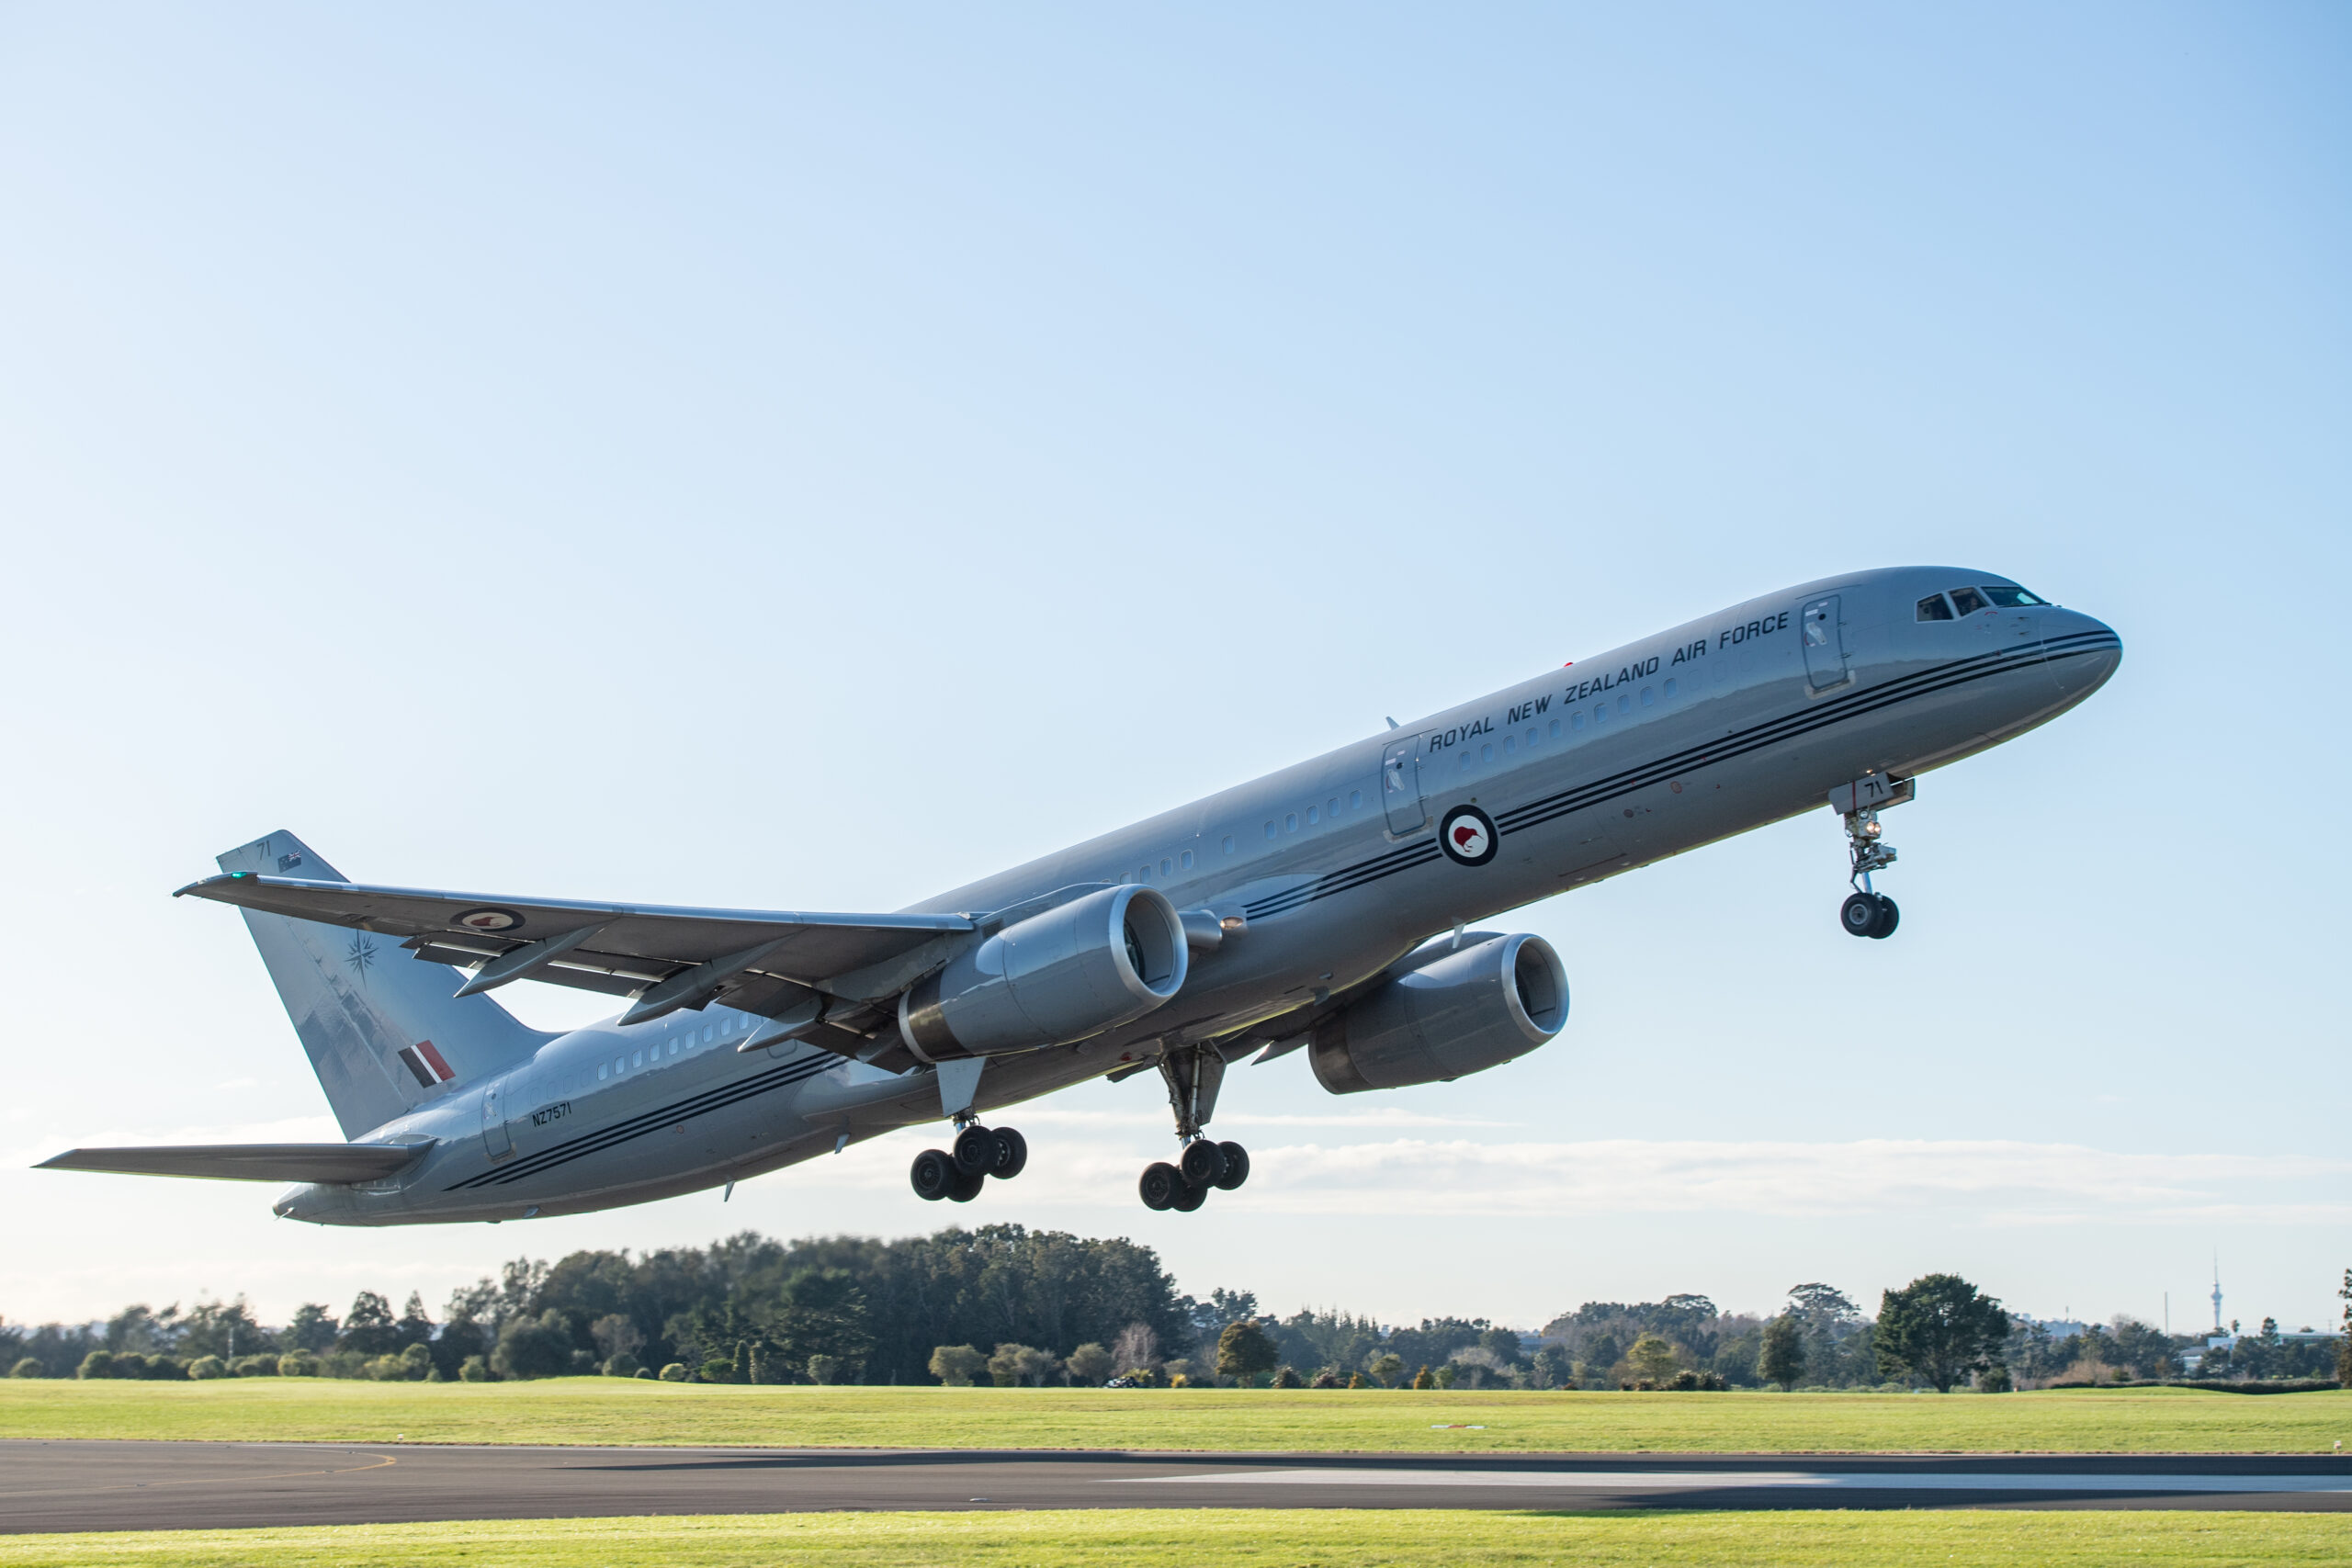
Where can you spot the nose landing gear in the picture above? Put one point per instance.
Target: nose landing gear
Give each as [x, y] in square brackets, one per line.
[1867, 912]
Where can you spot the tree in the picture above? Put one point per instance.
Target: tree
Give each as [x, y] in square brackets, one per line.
[1553, 1367]
[1136, 1346]
[1244, 1350]
[1938, 1328]
[1783, 1361]
[531, 1347]
[1015, 1365]
[1387, 1370]
[957, 1365]
[369, 1328]
[1090, 1364]
[1653, 1359]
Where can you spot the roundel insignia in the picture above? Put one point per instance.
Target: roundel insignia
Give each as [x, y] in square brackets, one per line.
[488, 920]
[1467, 835]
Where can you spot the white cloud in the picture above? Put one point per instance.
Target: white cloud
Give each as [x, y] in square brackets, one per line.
[1987, 1182]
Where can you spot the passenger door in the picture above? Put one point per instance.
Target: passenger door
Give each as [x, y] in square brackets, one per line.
[1400, 785]
[1825, 645]
[495, 1135]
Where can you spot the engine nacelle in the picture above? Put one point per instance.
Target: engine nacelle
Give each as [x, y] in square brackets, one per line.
[1445, 1012]
[1076, 970]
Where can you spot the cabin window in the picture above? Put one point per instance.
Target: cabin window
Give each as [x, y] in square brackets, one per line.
[1167, 868]
[641, 1060]
[1313, 816]
[1967, 601]
[1465, 762]
[1649, 698]
[1556, 727]
[1599, 715]
[1270, 829]
[709, 1034]
[1331, 807]
[1355, 799]
[1510, 744]
[674, 1047]
[2007, 597]
[1669, 686]
[1185, 860]
[601, 1071]
[1487, 753]
[1143, 874]
[1933, 608]
[1290, 821]
[620, 1065]
[1228, 843]
[1531, 734]
[1625, 703]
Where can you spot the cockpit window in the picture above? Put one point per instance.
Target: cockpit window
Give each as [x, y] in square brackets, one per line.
[1933, 608]
[1967, 601]
[2010, 598]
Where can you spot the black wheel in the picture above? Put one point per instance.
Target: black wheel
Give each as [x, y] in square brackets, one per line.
[933, 1175]
[1889, 917]
[1859, 914]
[966, 1188]
[1160, 1184]
[975, 1150]
[1202, 1162]
[1190, 1199]
[1237, 1166]
[1012, 1155]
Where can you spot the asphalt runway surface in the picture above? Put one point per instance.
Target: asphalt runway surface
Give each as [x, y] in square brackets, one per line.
[154, 1485]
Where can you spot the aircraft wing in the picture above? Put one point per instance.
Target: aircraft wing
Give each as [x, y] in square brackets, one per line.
[781, 964]
[247, 1162]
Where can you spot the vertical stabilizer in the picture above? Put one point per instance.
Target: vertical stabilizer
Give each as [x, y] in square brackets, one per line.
[381, 1030]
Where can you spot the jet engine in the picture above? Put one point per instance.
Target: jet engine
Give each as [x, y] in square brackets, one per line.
[1444, 1012]
[1075, 970]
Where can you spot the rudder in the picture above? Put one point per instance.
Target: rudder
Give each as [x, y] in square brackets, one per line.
[382, 1031]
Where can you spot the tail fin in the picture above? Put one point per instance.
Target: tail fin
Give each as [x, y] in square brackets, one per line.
[381, 1030]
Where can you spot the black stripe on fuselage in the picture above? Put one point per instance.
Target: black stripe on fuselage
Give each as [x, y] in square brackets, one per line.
[1943, 677]
[653, 1121]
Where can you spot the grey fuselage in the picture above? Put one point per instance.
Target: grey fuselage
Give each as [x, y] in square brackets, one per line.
[1724, 724]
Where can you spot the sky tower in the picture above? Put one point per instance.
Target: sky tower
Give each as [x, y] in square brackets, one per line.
[2217, 1293]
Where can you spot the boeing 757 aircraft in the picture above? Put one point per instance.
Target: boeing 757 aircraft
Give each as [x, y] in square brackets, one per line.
[1328, 909]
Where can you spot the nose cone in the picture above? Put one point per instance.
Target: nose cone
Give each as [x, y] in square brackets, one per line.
[2082, 652]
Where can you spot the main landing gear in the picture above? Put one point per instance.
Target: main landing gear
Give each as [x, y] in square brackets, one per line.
[959, 1172]
[1867, 912]
[1192, 1074]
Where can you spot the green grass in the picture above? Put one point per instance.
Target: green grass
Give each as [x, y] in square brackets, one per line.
[1148, 1537]
[616, 1410]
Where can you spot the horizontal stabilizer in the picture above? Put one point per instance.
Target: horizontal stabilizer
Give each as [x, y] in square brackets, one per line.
[247, 1162]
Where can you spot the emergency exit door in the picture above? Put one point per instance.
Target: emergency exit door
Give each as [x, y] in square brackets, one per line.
[1825, 643]
[496, 1137]
[1400, 785]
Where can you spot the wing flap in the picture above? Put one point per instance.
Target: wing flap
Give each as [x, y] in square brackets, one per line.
[246, 1162]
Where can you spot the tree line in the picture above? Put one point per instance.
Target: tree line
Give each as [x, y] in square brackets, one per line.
[1011, 1306]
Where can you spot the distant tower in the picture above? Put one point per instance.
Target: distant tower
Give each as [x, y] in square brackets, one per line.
[2217, 1294]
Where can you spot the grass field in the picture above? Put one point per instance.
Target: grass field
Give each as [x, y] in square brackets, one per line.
[1254, 1538]
[615, 1410]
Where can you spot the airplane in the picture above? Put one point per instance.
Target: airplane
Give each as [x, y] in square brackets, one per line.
[1330, 909]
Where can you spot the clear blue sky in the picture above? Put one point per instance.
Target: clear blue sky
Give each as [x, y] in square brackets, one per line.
[813, 459]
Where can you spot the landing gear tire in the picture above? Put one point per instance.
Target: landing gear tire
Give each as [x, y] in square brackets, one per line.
[966, 1188]
[1160, 1185]
[1190, 1199]
[1237, 1166]
[975, 1150]
[1011, 1154]
[1889, 917]
[1203, 1164]
[1859, 914]
[934, 1175]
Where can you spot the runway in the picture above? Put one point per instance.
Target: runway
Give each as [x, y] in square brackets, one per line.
[49, 1486]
